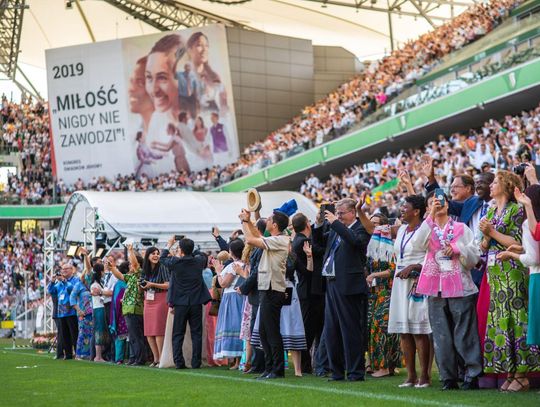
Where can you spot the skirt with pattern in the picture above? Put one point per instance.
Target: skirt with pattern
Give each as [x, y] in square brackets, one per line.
[84, 340]
[228, 343]
[291, 326]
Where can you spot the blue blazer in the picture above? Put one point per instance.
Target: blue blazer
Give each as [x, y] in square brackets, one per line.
[463, 210]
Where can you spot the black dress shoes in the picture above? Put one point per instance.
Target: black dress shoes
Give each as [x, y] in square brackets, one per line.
[336, 379]
[254, 371]
[321, 374]
[356, 379]
[274, 376]
[263, 375]
[450, 385]
[470, 384]
[181, 367]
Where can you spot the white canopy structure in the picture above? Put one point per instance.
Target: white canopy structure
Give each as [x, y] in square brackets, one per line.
[158, 215]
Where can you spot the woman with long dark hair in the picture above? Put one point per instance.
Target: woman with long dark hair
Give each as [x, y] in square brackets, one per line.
[155, 282]
[98, 307]
[214, 96]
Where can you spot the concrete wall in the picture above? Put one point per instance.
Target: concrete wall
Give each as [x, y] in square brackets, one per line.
[272, 78]
[333, 66]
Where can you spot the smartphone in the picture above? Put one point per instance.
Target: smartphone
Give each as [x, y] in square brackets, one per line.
[328, 207]
[178, 237]
[439, 194]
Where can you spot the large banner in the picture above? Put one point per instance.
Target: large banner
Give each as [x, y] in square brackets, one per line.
[145, 105]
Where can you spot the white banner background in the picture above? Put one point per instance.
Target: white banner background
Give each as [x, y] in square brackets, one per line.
[143, 105]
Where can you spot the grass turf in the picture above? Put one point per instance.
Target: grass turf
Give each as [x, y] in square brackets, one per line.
[30, 378]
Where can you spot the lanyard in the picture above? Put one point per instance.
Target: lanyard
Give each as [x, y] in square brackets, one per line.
[404, 242]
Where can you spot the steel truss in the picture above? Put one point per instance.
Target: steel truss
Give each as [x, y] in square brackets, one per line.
[11, 19]
[170, 15]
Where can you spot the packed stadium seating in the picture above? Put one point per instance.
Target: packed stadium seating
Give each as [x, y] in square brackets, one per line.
[25, 125]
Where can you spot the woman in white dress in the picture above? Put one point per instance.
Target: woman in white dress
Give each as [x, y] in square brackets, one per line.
[409, 310]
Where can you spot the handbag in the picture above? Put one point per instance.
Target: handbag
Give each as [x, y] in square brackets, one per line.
[288, 296]
[216, 298]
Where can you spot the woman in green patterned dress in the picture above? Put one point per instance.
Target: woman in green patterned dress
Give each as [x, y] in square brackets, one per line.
[383, 348]
[505, 347]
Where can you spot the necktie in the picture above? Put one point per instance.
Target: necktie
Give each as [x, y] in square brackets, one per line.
[484, 210]
[329, 269]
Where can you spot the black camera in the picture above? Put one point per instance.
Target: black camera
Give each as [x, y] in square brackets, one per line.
[142, 282]
[520, 169]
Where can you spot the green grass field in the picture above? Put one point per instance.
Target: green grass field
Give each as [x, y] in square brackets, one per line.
[30, 378]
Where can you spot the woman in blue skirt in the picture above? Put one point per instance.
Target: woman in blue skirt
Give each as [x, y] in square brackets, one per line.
[228, 343]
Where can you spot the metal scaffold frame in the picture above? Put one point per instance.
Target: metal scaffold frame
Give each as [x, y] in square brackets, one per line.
[49, 249]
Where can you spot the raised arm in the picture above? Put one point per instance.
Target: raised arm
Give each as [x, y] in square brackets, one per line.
[114, 270]
[527, 205]
[133, 258]
[366, 222]
[253, 237]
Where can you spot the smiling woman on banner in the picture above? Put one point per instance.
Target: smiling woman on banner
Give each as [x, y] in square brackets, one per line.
[162, 87]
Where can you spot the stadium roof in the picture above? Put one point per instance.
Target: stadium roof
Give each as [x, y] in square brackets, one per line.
[160, 215]
[361, 26]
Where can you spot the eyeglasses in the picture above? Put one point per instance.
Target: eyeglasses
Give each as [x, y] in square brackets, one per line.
[457, 186]
[343, 213]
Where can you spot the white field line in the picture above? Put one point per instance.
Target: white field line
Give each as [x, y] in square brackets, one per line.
[409, 399]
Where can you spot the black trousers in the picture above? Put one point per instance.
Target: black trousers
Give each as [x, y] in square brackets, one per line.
[269, 330]
[313, 317]
[258, 363]
[59, 340]
[69, 328]
[108, 349]
[345, 332]
[182, 315]
[136, 338]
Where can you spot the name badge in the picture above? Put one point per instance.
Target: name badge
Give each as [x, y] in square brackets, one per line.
[491, 260]
[150, 295]
[62, 296]
[445, 262]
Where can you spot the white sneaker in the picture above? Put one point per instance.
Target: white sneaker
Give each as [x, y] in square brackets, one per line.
[406, 384]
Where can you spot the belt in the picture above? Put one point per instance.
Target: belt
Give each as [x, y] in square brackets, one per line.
[330, 278]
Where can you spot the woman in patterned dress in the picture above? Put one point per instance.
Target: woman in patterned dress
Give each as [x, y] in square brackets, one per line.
[505, 347]
[383, 348]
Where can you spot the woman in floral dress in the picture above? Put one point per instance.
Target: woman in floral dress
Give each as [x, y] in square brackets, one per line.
[383, 348]
[505, 347]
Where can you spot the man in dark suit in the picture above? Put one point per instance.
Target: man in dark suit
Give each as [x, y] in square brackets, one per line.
[309, 286]
[186, 295]
[345, 320]
[249, 288]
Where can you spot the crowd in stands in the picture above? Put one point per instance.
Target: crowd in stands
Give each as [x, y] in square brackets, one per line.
[25, 126]
[496, 145]
[19, 253]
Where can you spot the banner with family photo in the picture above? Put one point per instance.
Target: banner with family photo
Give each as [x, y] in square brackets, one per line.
[144, 105]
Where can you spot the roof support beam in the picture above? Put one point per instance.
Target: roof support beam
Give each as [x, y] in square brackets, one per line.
[11, 19]
[170, 15]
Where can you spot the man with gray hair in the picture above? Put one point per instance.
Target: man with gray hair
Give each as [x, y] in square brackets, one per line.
[61, 286]
[345, 318]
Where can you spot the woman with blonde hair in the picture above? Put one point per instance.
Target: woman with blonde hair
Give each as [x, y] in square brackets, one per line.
[505, 346]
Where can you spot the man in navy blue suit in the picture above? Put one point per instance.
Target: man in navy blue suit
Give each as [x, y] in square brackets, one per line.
[345, 316]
